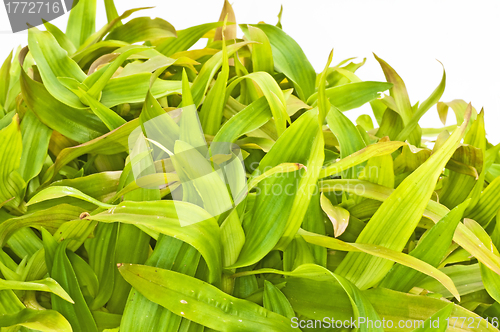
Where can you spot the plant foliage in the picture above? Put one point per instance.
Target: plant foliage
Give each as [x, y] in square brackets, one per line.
[377, 219]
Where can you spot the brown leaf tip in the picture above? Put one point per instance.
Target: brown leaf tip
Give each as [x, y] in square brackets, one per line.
[301, 166]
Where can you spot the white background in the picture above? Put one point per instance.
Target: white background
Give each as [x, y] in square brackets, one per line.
[409, 35]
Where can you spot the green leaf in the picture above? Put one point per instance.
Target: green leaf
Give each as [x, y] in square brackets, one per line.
[101, 251]
[262, 54]
[24, 243]
[273, 94]
[39, 320]
[402, 104]
[50, 218]
[183, 220]
[337, 215]
[101, 186]
[487, 169]
[196, 171]
[111, 12]
[390, 125]
[78, 314]
[186, 38]
[374, 150]
[106, 321]
[457, 186]
[391, 226]
[422, 109]
[213, 105]
[490, 279]
[488, 204]
[290, 60]
[341, 74]
[107, 116]
[315, 218]
[7, 119]
[458, 106]
[158, 62]
[62, 191]
[208, 71]
[440, 319]
[285, 211]
[398, 91]
[352, 95]
[81, 22]
[45, 285]
[76, 124]
[323, 102]
[85, 275]
[155, 121]
[467, 278]
[434, 211]
[133, 89]
[98, 80]
[245, 121]
[95, 40]
[314, 222]
[297, 253]
[381, 253]
[201, 302]
[379, 170]
[275, 301]
[10, 155]
[187, 98]
[5, 79]
[248, 91]
[15, 71]
[171, 254]
[365, 121]
[432, 248]
[347, 134]
[142, 29]
[279, 169]
[279, 17]
[111, 143]
[232, 238]
[36, 137]
[314, 300]
[87, 56]
[360, 305]
[53, 62]
[134, 243]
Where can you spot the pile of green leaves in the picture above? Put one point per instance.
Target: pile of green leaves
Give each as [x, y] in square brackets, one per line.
[381, 221]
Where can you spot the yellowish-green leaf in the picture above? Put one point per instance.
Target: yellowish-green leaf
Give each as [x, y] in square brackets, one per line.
[391, 226]
[337, 215]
